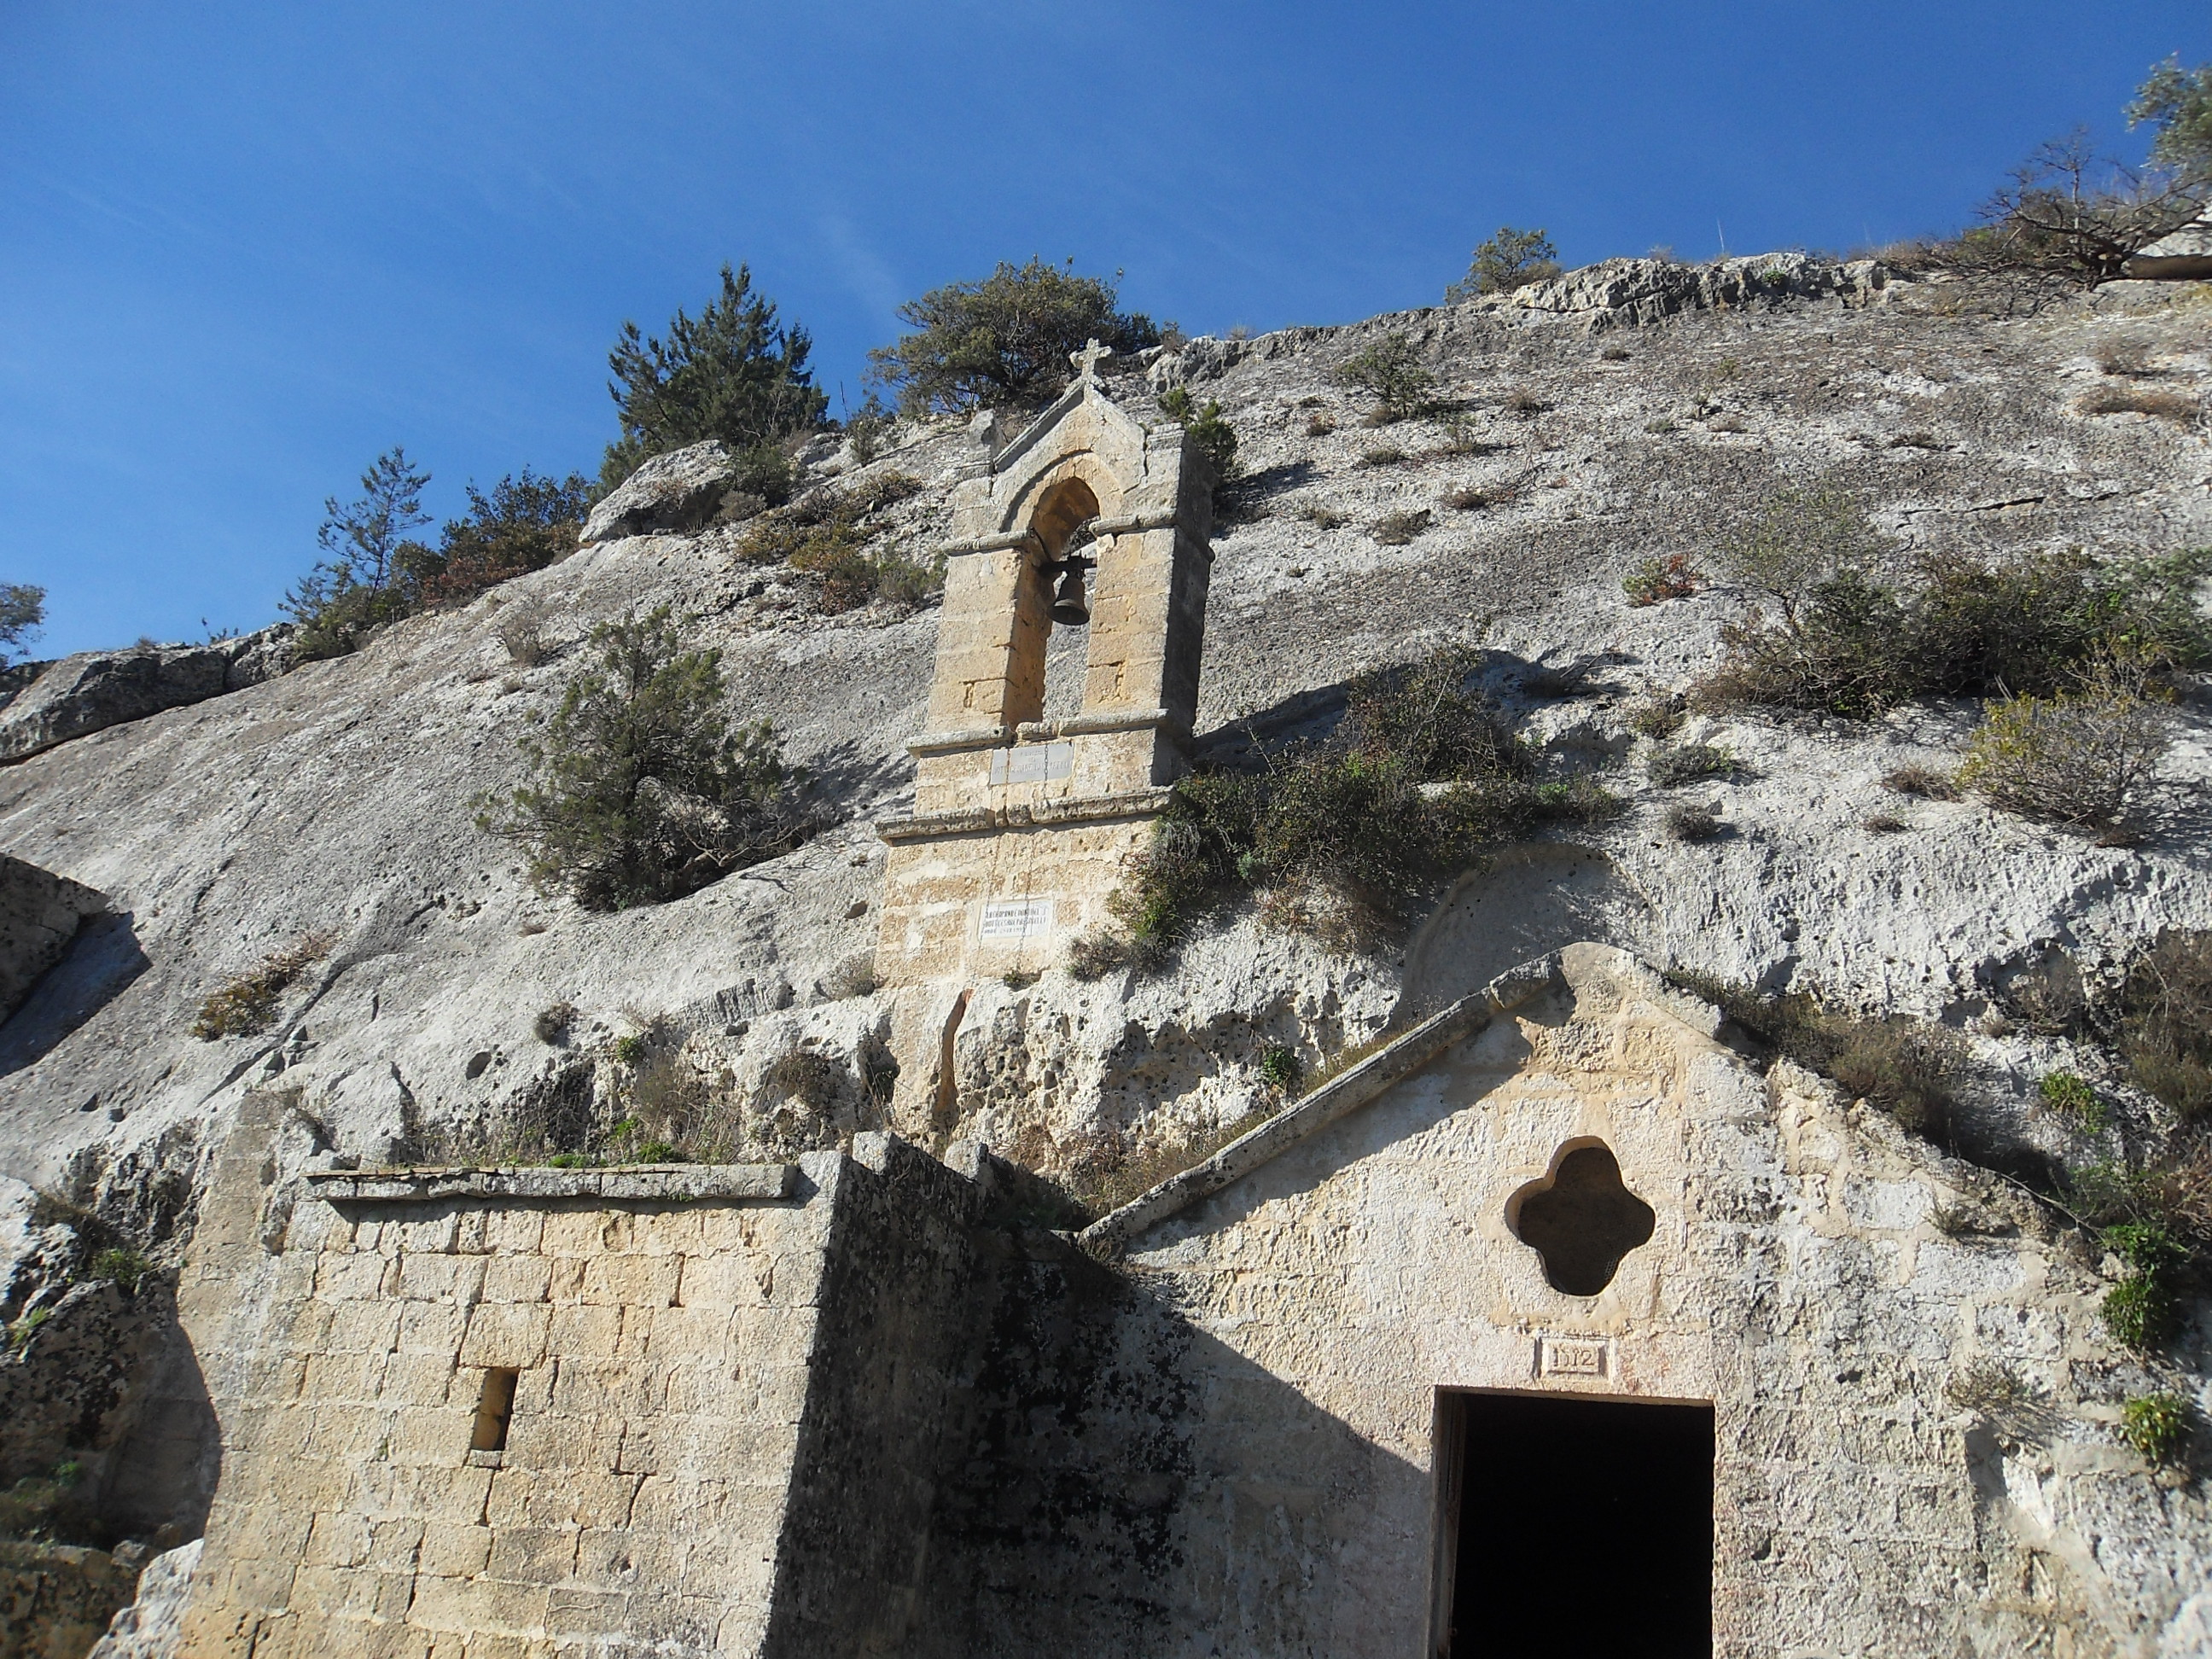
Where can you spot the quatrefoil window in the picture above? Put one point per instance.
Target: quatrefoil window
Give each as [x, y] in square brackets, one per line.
[1581, 1218]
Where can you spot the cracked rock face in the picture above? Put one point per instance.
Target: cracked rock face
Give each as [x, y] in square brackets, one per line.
[676, 492]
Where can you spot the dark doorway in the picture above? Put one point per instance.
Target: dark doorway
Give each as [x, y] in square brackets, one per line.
[1583, 1527]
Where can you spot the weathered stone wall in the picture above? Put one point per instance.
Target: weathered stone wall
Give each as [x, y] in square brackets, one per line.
[1796, 1278]
[662, 1346]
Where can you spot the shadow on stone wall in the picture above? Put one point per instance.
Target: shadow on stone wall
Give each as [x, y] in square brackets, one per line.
[1013, 1449]
[102, 960]
[107, 1388]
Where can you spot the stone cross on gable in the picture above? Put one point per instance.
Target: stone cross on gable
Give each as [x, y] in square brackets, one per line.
[1086, 361]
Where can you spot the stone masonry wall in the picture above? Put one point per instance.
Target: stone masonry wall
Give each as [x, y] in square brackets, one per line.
[663, 1350]
[1796, 1279]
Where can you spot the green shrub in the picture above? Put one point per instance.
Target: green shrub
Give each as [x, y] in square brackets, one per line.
[526, 523]
[643, 789]
[1850, 639]
[248, 1003]
[124, 1267]
[1280, 1068]
[22, 613]
[2139, 1312]
[1006, 338]
[1340, 836]
[2083, 758]
[733, 374]
[1658, 718]
[1673, 577]
[2068, 1094]
[23, 1329]
[2166, 1024]
[1215, 438]
[1675, 763]
[630, 1050]
[2156, 1426]
[659, 1151]
[1392, 373]
[1510, 259]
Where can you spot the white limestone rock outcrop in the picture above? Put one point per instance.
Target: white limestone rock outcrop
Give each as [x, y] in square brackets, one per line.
[671, 494]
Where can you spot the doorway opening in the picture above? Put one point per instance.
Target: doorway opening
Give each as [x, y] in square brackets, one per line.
[1572, 1525]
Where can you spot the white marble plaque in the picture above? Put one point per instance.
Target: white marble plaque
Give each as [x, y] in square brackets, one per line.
[1009, 921]
[1033, 763]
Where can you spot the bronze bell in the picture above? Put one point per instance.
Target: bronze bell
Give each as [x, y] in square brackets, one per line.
[1067, 607]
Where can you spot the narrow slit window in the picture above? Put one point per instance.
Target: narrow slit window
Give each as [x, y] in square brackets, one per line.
[495, 1407]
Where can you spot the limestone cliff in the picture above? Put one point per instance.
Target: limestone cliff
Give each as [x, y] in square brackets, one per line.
[1614, 415]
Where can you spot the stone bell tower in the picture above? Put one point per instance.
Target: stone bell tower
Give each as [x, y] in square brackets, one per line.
[1021, 824]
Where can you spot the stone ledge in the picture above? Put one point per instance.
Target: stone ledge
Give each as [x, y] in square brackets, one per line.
[664, 1183]
[1104, 720]
[1341, 1095]
[988, 820]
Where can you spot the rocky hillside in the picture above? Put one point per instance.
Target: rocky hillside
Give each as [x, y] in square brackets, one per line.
[1613, 415]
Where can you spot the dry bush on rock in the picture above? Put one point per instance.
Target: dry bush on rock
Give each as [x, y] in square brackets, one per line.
[1924, 781]
[1676, 764]
[1904, 1067]
[1673, 577]
[248, 1003]
[1687, 822]
[2166, 1028]
[2176, 406]
[2085, 758]
[1398, 529]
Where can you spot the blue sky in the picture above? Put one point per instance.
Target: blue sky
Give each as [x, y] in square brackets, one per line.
[244, 248]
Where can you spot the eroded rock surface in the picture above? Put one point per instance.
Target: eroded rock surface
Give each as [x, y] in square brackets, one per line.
[675, 493]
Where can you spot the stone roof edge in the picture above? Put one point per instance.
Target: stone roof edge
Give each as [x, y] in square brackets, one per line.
[1339, 1096]
[670, 1183]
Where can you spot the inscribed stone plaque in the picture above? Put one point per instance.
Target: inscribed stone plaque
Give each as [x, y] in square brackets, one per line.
[1567, 1356]
[1033, 762]
[1012, 920]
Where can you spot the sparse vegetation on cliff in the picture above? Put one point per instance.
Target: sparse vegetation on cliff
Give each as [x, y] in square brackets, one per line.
[375, 574]
[643, 790]
[1858, 627]
[248, 1004]
[828, 533]
[1341, 837]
